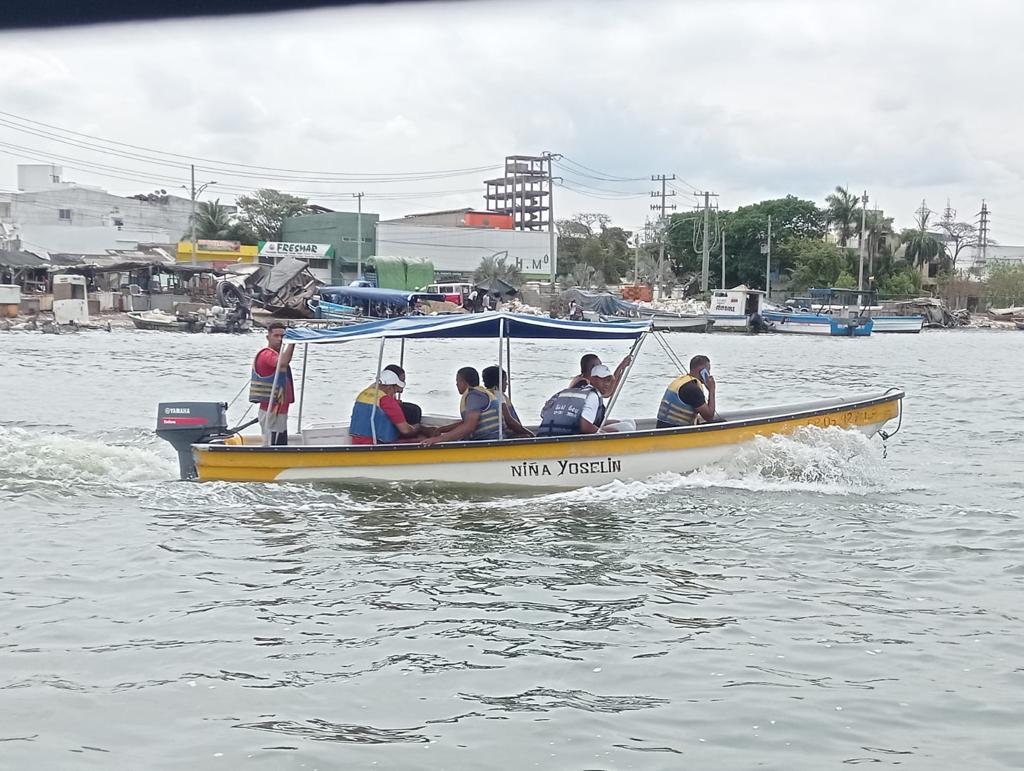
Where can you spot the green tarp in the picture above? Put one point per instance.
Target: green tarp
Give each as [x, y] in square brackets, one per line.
[402, 272]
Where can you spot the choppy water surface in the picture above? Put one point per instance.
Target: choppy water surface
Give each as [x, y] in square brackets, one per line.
[806, 605]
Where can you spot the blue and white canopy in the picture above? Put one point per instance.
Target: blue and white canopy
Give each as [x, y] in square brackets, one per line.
[479, 325]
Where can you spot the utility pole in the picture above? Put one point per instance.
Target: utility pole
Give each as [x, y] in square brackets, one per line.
[552, 235]
[194, 214]
[706, 240]
[636, 258]
[863, 223]
[194, 194]
[359, 235]
[983, 226]
[723, 259]
[664, 226]
[768, 262]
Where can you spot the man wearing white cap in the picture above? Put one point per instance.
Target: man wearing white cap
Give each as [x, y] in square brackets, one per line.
[580, 408]
[377, 416]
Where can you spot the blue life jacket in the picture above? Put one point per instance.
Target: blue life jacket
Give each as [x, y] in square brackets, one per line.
[261, 386]
[674, 410]
[562, 412]
[487, 425]
[368, 418]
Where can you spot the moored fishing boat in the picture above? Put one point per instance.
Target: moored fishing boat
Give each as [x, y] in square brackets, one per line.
[814, 323]
[209, 450]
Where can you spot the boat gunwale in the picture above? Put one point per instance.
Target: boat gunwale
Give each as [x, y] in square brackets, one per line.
[895, 396]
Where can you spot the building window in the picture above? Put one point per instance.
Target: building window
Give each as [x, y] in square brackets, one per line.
[64, 214]
[5, 209]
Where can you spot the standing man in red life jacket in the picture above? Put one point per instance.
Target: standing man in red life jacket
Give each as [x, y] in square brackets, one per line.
[262, 384]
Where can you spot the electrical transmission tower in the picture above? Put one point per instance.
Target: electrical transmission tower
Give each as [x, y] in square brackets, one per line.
[983, 229]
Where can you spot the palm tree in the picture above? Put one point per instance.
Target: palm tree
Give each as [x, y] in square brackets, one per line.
[921, 247]
[217, 223]
[498, 267]
[879, 234]
[843, 213]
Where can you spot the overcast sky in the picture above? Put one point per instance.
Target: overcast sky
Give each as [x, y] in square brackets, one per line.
[748, 98]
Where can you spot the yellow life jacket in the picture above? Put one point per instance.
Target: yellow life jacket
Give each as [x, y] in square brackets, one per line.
[490, 418]
[674, 410]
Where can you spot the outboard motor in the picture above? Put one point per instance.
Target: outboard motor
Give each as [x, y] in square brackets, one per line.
[186, 423]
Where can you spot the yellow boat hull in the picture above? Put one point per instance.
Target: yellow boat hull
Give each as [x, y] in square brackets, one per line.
[565, 462]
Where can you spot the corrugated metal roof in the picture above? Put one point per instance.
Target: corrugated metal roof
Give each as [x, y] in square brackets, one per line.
[21, 260]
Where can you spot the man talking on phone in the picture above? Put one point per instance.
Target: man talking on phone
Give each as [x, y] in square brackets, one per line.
[689, 396]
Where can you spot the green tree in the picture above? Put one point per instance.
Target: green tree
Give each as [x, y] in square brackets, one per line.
[904, 282]
[590, 239]
[843, 213]
[846, 281]
[1004, 285]
[816, 263]
[746, 231]
[265, 212]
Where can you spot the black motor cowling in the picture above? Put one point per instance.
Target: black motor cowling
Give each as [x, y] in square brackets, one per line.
[186, 423]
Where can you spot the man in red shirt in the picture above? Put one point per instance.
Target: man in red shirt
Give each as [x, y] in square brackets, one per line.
[264, 368]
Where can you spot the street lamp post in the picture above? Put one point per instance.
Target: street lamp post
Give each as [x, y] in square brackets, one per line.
[195, 194]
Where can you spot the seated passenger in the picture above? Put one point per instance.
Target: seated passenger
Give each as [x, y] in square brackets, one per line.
[479, 411]
[685, 399]
[591, 360]
[413, 413]
[377, 413]
[578, 409]
[513, 426]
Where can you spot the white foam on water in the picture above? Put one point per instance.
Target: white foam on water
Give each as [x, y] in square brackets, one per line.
[67, 458]
[824, 460]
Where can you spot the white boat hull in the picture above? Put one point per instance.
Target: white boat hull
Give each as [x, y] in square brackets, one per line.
[902, 324]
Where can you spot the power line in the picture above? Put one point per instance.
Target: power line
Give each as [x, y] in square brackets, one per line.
[219, 165]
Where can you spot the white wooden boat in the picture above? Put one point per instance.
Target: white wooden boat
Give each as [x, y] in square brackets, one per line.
[736, 309]
[897, 324]
[324, 453]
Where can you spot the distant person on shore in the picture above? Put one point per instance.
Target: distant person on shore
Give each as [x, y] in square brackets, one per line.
[513, 427]
[479, 410]
[689, 396]
[377, 415]
[267, 383]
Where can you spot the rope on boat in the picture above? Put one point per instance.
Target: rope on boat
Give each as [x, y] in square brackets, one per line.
[885, 434]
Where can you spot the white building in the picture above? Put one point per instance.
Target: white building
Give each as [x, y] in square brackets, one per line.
[460, 249]
[52, 215]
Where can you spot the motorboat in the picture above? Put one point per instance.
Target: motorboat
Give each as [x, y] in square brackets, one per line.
[159, 321]
[859, 303]
[208, 450]
[790, 321]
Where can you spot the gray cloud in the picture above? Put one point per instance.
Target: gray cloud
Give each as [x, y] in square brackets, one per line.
[751, 98]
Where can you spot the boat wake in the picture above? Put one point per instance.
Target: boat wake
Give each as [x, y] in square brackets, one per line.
[822, 460]
[69, 462]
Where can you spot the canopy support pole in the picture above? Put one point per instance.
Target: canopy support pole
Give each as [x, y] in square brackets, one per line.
[267, 433]
[302, 385]
[373, 410]
[508, 363]
[633, 352]
[501, 393]
[672, 356]
[401, 355]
